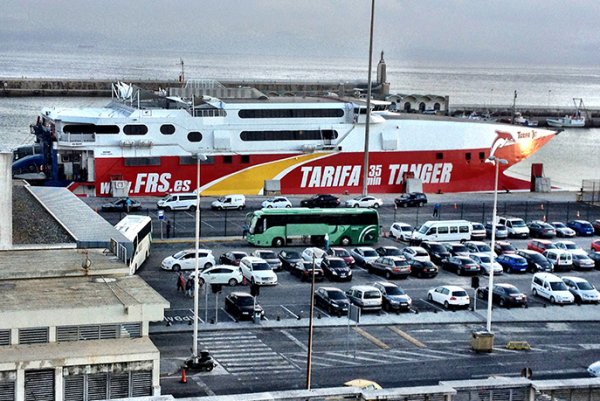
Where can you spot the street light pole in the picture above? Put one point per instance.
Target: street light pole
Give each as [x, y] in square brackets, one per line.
[497, 163]
[199, 157]
[365, 190]
[310, 326]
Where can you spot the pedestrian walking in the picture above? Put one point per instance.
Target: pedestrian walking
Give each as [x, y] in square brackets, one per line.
[436, 210]
[189, 286]
[180, 282]
[326, 240]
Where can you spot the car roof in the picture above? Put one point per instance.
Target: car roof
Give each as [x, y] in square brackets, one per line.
[331, 289]
[363, 287]
[452, 287]
[385, 284]
[576, 279]
[253, 259]
[192, 250]
[506, 285]
[240, 294]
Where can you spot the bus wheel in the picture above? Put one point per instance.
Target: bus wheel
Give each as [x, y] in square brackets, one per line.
[345, 241]
[277, 242]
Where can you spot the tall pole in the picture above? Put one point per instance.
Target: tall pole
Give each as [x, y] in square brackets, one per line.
[310, 327]
[497, 163]
[200, 157]
[365, 190]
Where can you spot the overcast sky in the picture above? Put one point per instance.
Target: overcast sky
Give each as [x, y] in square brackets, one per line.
[412, 31]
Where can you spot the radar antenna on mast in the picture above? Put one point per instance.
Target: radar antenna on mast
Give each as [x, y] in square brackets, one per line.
[181, 74]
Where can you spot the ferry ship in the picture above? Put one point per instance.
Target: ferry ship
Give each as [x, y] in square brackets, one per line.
[251, 144]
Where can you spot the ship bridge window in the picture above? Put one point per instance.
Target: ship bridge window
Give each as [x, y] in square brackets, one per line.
[291, 113]
[90, 129]
[141, 161]
[227, 159]
[481, 155]
[422, 107]
[194, 136]
[288, 135]
[407, 107]
[468, 156]
[246, 159]
[135, 129]
[436, 106]
[167, 129]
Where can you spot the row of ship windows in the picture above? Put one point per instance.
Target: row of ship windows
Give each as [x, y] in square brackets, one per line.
[229, 159]
[195, 136]
[40, 335]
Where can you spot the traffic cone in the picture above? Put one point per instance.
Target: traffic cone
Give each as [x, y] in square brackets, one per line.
[183, 376]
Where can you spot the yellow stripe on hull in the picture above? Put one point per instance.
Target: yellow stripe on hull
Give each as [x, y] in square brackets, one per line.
[251, 180]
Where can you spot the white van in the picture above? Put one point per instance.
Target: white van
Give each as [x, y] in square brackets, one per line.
[230, 202]
[186, 201]
[442, 230]
[551, 287]
[516, 226]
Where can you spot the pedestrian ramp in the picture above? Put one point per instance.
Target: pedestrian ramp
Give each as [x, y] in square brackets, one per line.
[244, 354]
[88, 228]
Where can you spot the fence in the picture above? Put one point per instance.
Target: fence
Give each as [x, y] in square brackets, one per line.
[225, 223]
[590, 192]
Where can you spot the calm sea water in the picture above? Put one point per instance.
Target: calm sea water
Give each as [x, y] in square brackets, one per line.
[568, 159]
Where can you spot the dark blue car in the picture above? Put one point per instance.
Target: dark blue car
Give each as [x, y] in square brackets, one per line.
[512, 263]
[581, 227]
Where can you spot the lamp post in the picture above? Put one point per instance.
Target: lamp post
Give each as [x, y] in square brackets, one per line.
[365, 190]
[199, 157]
[311, 326]
[497, 162]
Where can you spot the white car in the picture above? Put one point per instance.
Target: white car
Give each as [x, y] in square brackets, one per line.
[220, 274]
[363, 255]
[364, 201]
[186, 260]
[277, 202]
[568, 246]
[449, 295]
[313, 253]
[480, 247]
[486, 263]
[257, 271]
[582, 290]
[401, 231]
[594, 369]
[416, 253]
[562, 230]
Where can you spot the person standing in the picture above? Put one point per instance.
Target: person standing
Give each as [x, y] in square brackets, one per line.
[436, 210]
[180, 282]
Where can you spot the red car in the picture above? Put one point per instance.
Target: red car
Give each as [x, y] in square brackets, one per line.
[503, 247]
[595, 245]
[540, 245]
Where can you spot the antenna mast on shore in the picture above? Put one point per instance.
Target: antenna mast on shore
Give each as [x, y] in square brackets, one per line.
[182, 74]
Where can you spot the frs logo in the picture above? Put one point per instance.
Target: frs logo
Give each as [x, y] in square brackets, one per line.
[149, 183]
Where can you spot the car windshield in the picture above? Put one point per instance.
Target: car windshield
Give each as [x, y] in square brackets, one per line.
[392, 251]
[239, 255]
[459, 248]
[558, 286]
[372, 294]
[437, 248]
[342, 253]
[564, 257]
[559, 225]
[337, 263]
[485, 259]
[511, 290]
[507, 247]
[518, 223]
[245, 301]
[400, 262]
[180, 254]
[260, 266]
[570, 246]
[337, 295]
[584, 285]
[477, 226]
[459, 293]
[369, 253]
[406, 228]
[484, 248]
[267, 255]
[394, 291]
[537, 258]
[292, 255]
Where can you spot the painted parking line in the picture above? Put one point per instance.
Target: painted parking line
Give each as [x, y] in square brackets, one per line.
[407, 337]
[371, 338]
[289, 311]
[294, 340]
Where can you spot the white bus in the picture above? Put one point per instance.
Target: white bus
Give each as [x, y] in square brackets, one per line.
[138, 230]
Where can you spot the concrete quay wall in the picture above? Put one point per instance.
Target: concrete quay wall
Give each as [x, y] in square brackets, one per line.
[15, 87]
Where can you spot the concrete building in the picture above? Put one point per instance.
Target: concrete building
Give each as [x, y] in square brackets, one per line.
[74, 323]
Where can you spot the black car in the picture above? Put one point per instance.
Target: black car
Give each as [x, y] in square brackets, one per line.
[411, 199]
[332, 299]
[536, 262]
[595, 256]
[321, 201]
[394, 297]
[242, 305]
[457, 249]
[232, 258]
[390, 266]
[270, 257]
[304, 271]
[540, 229]
[335, 268]
[289, 258]
[461, 265]
[122, 205]
[504, 295]
[437, 251]
[423, 268]
[388, 251]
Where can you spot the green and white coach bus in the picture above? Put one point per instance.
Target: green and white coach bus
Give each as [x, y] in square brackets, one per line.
[343, 226]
